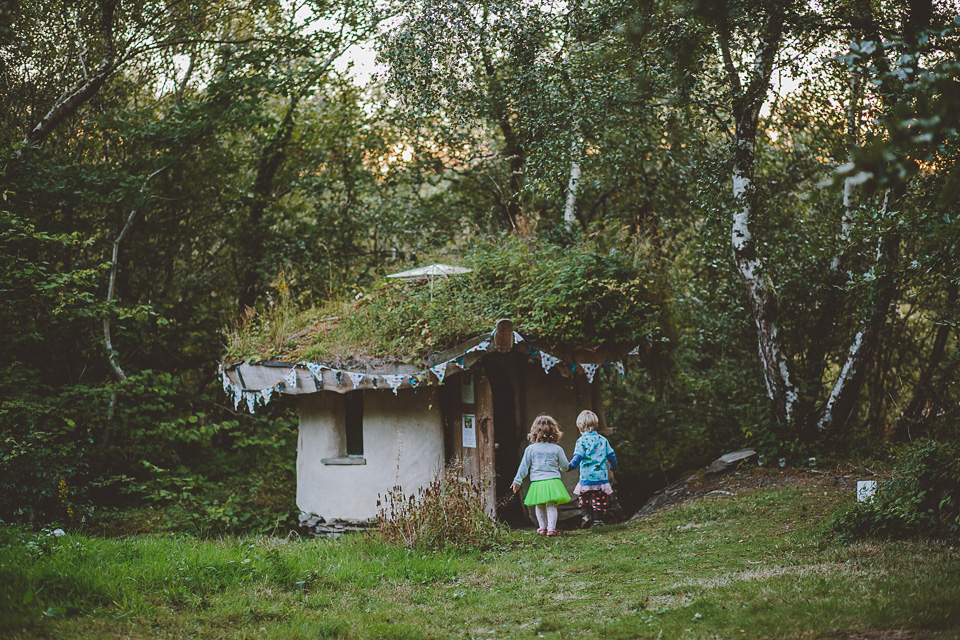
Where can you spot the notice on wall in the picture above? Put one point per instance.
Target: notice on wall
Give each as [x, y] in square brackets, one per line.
[470, 430]
[466, 389]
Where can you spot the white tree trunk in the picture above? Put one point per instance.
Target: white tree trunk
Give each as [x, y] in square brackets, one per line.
[569, 211]
[763, 299]
[111, 285]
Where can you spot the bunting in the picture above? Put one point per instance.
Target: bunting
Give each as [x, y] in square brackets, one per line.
[483, 346]
[590, 370]
[290, 380]
[225, 379]
[440, 371]
[548, 361]
[252, 397]
[316, 370]
[394, 382]
[355, 378]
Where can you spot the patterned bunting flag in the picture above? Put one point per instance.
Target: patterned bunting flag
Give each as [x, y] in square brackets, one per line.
[355, 378]
[225, 379]
[548, 361]
[394, 381]
[414, 381]
[483, 346]
[517, 337]
[618, 365]
[237, 397]
[290, 380]
[590, 370]
[316, 370]
[440, 371]
[251, 399]
[265, 395]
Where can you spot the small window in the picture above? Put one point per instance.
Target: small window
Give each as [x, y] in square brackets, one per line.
[353, 422]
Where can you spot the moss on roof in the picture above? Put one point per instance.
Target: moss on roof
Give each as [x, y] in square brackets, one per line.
[574, 296]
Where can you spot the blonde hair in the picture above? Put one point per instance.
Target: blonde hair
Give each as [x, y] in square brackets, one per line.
[545, 429]
[587, 421]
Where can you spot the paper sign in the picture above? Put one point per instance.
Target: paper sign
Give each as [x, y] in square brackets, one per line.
[470, 430]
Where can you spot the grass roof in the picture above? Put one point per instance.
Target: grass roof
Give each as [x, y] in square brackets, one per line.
[574, 296]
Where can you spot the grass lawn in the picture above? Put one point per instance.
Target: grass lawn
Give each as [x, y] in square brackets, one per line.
[752, 565]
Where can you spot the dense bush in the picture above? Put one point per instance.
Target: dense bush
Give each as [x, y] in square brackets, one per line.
[921, 498]
[143, 455]
[448, 512]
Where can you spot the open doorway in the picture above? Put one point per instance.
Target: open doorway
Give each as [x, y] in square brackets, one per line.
[507, 440]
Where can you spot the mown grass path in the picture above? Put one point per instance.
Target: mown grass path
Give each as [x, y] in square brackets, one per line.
[752, 565]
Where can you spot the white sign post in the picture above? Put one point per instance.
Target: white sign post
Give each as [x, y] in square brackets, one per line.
[866, 489]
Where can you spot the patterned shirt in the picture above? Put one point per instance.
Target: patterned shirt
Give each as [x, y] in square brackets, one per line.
[592, 454]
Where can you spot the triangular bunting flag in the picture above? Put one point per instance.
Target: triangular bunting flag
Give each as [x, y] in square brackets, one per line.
[316, 370]
[355, 378]
[265, 395]
[619, 367]
[237, 397]
[290, 380]
[590, 370]
[517, 337]
[483, 346]
[440, 371]
[548, 361]
[225, 379]
[394, 381]
[251, 399]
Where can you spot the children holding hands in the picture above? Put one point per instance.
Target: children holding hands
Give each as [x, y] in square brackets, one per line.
[544, 460]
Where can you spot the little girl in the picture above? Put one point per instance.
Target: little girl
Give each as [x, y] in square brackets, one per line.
[544, 459]
[593, 454]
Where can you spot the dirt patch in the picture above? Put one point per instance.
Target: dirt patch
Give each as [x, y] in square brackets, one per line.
[750, 477]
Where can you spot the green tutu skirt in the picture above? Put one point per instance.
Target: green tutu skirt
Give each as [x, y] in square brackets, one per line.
[543, 491]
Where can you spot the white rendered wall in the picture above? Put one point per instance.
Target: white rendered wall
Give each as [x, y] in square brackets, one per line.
[408, 423]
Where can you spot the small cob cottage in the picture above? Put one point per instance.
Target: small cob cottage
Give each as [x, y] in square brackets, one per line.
[413, 374]
[365, 430]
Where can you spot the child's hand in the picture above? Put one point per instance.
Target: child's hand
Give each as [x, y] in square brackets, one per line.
[514, 487]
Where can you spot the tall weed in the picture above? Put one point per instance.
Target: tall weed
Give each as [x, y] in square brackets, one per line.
[448, 512]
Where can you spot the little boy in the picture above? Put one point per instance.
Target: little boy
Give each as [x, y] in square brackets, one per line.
[592, 454]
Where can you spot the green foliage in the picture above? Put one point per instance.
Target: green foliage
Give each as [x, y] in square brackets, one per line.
[446, 513]
[135, 456]
[920, 499]
[561, 294]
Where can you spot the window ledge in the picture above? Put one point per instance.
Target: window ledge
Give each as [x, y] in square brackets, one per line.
[344, 460]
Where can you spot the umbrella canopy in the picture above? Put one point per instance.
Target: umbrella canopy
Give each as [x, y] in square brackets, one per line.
[430, 271]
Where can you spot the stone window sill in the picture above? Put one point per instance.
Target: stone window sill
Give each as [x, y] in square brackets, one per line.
[344, 460]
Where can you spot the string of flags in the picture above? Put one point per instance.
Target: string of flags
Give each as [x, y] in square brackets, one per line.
[261, 397]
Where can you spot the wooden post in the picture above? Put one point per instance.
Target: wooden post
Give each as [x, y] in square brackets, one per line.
[486, 467]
